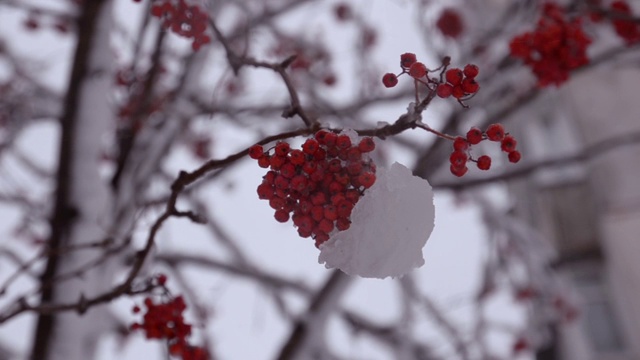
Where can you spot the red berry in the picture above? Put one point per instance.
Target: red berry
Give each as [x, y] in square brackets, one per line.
[520, 345]
[277, 161]
[508, 144]
[407, 59]
[366, 145]
[474, 136]
[136, 309]
[265, 191]
[256, 152]
[342, 224]
[321, 136]
[317, 213]
[458, 92]
[470, 86]
[495, 132]
[343, 141]
[282, 149]
[458, 158]
[310, 146]
[471, 71]
[515, 156]
[484, 162]
[281, 216]
[321, 238]
[325, 225]
[460, 144]
[390, 80]
[418, 70]
[454, 76]
[367, 179]
[330, 139]
[162, 279]
[297, 157]
[330, 212]
[264, 162]
[449, 23]
[458, 171]
[342, 12]
[444, 90]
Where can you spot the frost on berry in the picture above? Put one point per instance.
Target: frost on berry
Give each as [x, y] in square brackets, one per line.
[389, 227]
[316, 187]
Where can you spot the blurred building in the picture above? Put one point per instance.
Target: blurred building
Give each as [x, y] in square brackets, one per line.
[590, 208]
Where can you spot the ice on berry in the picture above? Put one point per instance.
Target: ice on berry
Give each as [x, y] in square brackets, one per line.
[390, 225]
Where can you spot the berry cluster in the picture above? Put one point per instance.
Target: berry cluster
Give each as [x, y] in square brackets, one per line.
[459, 83]
[185, 20]
[318, 185]
[556, 47]
[462, 146]
[165, 321]
[627, 29]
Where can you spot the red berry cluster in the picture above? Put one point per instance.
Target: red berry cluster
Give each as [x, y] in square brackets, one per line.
[459, 83]
[556, 47]
[627, 29]
[165, 321]
[185, 20]
[450, 23]
[462, 146]
[318, 185]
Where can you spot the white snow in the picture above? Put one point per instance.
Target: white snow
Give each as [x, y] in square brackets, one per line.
[390, 225]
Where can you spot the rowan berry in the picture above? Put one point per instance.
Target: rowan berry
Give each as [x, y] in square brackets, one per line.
[309, 167]
[265, 191]
[458, 171]
[508, 144]
[342, 224]
[458, 92]
[256, 152]
[366, 145]
[418, 70]
[471, 71]
[354, 154]
[454, 76]
[288, 170]
[514, 156]
[444, 90]
[281, 216]
[390, 80]
[320, 136]
[297, 157]
[264, 162]
[450, 23]
[354, 168]
[325, 225]
[321, 238]
[343, 142]
[495, 132]
[470, 86]
[161, 279]
[277, 161]
[310, 146]
[458, 158]
[460, 144]
[484, 162]
[367, 179]
[407, 59]
[474, 136]
[282, 148]
[277, 203]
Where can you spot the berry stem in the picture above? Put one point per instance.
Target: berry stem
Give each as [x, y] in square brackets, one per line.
[434, 131]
